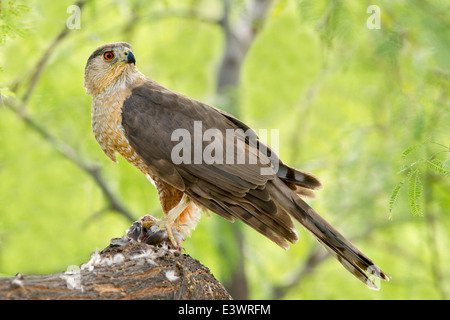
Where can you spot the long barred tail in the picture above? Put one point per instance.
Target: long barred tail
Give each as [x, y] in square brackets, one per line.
[337, 245]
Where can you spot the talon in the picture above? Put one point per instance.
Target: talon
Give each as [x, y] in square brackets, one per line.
[154, 231]
[169, 226]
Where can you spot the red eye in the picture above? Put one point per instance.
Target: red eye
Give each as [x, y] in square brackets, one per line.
[108, 55]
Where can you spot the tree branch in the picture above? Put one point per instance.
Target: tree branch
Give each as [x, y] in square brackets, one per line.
[69, 153]
[238, 39]
[43, 60]
[125, 269]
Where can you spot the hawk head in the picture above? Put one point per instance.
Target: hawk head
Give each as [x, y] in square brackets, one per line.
[107, 64]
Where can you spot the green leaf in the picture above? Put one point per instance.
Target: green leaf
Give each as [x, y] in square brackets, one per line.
[394, 196]
[411, 149]
[446, 163]
[415, 188]
[438, 166]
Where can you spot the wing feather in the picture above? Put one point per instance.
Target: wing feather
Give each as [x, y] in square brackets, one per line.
[152, 113]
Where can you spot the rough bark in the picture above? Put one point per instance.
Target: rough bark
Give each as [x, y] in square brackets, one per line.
[125, 269]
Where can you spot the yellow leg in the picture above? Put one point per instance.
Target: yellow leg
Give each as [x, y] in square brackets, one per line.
[172, 216]
[174, 213]
[169, 221]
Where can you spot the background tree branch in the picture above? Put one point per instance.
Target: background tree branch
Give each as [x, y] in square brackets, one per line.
[69, 153]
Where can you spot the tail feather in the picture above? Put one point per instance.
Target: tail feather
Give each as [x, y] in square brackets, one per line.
[336, 244]
[301, 182]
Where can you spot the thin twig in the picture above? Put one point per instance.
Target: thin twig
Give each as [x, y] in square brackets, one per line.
[40, 65]
[43, 61]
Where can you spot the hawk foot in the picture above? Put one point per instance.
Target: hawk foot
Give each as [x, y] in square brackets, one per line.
[153, 231]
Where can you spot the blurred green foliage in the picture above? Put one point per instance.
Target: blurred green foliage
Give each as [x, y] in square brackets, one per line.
[350, 103]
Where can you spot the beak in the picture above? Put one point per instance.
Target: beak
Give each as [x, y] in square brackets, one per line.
[130, 58]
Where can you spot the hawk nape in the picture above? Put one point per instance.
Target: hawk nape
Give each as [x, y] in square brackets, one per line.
[134, 116]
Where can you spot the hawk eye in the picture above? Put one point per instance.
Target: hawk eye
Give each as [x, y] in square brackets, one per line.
[108, 55]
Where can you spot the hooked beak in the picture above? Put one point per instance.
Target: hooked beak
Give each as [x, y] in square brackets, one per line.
[130, 58]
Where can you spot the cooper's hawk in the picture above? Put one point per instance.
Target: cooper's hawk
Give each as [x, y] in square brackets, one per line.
[136, 117]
